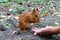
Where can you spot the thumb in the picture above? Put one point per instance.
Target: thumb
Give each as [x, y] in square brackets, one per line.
[35, 33]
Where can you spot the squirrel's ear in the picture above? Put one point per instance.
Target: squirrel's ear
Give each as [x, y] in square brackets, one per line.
[33, 10]
[37, 9]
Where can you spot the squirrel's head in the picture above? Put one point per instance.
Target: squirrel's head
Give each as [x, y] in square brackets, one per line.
[35, 15]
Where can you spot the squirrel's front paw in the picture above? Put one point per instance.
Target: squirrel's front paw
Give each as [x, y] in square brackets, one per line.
[16, 32]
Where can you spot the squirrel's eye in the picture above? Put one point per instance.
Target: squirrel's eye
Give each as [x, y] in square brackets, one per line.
[35, 15]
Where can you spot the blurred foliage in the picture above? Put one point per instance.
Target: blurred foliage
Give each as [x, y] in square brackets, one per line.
[17, 8]
[2, 1]
[4, 25]
[47, 0]
[44, 24]
[19, 1]
[8, 4]
[45, 6]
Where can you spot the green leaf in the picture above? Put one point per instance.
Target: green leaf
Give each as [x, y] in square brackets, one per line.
[6, 25]
[5, 1]
[1, 1]
[47, 0]
[6, 4]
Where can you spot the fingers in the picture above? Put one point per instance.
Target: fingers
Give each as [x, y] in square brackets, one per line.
[37, 33]
[41, 31]
[35, 29]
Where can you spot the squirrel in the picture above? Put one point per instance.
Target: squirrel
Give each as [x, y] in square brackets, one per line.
[28, 18]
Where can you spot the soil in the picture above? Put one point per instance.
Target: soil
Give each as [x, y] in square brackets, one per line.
[7, 35]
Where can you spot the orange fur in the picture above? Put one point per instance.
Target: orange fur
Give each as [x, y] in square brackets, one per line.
[28, 17]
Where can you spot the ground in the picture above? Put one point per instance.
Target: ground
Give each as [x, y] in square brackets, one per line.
[7, 35]
[44, 21]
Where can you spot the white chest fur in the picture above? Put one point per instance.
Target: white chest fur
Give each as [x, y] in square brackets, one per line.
[28, 25]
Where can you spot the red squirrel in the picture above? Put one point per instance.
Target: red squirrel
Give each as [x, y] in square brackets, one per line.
[28, 18]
